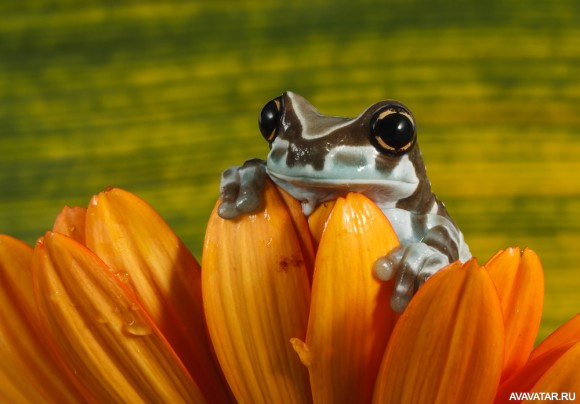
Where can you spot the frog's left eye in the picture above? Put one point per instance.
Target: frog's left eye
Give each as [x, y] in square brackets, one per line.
[392, 130]
[269, 120]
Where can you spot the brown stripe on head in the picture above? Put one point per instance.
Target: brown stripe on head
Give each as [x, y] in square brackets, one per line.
[311, 136]
[421, 201]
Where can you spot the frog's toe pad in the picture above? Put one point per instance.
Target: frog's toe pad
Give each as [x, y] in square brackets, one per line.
[411, 265]
[227, 210]
[248, 201]
[385, 268]
[241, 189]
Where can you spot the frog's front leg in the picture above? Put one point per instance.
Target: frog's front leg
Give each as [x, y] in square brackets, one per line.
[413, 263]
[241, 189]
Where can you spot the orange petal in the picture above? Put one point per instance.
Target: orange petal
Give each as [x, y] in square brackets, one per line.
[27, 371]
[15, 386]
[71, 222]
[567, 332]
[108, 342]
[132, 239]
[317, 220]
[527, 376]
[302, 230]
[563, 375]
[16, 283]
[350, 315]
[541, 359]
[256, 296]
[519, 280]
[447, 347]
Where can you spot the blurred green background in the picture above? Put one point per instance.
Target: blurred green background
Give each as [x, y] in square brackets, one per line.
[159, 97]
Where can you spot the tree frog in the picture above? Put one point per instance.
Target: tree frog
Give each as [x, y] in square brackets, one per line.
[317, 158]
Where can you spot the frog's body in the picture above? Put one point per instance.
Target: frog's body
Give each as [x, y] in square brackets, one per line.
[317, 158]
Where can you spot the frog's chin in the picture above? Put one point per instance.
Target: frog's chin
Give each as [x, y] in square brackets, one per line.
[312, 191]
[351, 184]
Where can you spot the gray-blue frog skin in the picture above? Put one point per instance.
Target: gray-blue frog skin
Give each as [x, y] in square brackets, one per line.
[317, 158]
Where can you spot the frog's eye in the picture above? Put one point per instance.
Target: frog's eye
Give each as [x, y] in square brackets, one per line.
[392, 130]
[269, 120]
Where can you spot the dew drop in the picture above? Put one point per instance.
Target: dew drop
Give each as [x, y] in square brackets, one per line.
[137, 328]
[123, 276]
[101, 319]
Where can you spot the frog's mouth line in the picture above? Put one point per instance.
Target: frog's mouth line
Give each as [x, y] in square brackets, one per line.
[313, 182]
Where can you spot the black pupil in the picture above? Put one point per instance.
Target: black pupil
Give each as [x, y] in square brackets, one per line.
[396, 130]
[269, 119]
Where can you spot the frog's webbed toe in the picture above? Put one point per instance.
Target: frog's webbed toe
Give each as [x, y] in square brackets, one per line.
[241, 189]
[411, 265]
[229, 189]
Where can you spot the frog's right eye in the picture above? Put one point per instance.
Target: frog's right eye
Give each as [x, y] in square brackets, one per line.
[269, 120]
[393, 130]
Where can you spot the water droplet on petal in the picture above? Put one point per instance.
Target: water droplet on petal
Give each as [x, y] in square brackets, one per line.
[101, 319]
[123, 277]
[137, 328]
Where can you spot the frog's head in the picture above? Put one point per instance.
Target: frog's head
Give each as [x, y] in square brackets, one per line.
[378, 148]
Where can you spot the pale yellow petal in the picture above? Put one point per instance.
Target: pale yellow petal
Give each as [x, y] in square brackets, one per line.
[350, 316]
[256, 296]
[136, 243]
[104, 337]
[447, 347]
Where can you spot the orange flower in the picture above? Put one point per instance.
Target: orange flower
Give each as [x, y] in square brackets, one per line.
[111, 306]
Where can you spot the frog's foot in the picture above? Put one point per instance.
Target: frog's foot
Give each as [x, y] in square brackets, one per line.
[411, 264]
[241, 189]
